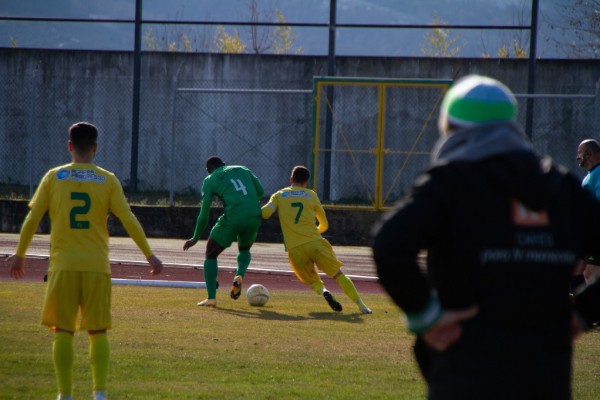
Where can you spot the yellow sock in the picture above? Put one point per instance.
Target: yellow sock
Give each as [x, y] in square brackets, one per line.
[318, 287]
[99, 358]
[348, 287]
[62, 354]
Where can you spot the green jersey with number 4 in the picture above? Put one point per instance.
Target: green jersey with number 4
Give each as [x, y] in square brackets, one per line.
[238, 188]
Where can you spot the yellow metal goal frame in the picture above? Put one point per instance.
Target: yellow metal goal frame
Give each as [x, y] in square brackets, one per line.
[377, 199]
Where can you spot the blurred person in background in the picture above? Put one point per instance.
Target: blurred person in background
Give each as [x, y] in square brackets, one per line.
[588, 157]
[503, 229]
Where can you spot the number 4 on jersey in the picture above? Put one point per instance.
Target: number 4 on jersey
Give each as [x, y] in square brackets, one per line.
[239, 186]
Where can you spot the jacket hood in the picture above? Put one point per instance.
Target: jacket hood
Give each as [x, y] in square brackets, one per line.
[504, 155]
[479, 142]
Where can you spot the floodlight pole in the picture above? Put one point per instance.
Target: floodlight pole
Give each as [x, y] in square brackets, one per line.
[328, 115]
[135, 109]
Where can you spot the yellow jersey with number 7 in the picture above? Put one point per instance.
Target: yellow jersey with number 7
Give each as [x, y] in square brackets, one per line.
[299, 209]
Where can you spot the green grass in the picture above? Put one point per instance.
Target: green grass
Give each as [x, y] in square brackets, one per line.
[164, 347]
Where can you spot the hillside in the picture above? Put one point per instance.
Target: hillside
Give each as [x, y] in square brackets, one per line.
[314, 41]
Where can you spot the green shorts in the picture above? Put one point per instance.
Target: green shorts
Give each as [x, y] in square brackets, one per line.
[228, 230]
[68, 292]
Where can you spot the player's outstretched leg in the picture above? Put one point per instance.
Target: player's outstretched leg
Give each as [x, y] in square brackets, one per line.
[333, 303]
[319, 288]
[243, 261]
[210, 276]
[348, 286]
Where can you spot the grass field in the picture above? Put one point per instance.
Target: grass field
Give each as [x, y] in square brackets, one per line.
[164, 347]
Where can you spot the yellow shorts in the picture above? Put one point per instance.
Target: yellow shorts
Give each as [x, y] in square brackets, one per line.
[304, 257]
[71, 291]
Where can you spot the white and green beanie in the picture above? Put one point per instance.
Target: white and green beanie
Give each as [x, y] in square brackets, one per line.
[475, 100]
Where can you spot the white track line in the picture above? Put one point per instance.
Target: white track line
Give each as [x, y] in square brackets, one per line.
[267, 271]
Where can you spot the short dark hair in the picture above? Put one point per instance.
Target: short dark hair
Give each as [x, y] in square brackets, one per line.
[83, 136]
[213, 163]
[300, 174]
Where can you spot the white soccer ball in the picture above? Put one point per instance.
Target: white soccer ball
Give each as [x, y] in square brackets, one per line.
[257, 295]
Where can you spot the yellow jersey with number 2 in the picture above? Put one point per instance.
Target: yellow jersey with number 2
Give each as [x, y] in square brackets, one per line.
[78, 198]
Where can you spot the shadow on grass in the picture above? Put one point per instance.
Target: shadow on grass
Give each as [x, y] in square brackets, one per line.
[267, 314]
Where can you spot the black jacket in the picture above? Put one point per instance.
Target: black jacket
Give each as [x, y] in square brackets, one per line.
[502, 229]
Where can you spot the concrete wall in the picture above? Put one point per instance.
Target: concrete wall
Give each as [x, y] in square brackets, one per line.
[45, 91]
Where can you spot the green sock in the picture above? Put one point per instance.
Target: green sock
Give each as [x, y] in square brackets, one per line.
[243, 260]
[348, 287]
[62, 354]
[318, 287]
[99, 358]
[210, 277]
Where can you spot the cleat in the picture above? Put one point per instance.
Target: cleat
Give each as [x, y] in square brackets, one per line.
[236, 287]
[333, 303]
[208, 303]
[100, 395]
[64, 397]
[366, 310]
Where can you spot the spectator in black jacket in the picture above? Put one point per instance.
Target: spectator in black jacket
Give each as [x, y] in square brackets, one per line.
[503, 229]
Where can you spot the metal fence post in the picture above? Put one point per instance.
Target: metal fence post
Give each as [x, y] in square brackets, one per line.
[596, 126]
[33, 128]
[171, 166]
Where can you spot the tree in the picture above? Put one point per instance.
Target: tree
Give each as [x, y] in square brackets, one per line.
[175, 38]
[578, 21]
[226, 43]
[279, 40]
[514, 44]
[515, 50]
[439, 41]
[178, 41]
[151, 43]
[259, 36]
[284, 37]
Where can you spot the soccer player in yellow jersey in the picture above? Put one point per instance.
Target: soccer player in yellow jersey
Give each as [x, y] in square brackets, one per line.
[298, 208]
[78, 197]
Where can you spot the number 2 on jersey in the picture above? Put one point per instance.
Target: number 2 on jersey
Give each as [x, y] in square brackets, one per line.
[80, 210]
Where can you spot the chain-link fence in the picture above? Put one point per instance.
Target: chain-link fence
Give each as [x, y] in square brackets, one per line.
[36, 117]
[560, 123]
[376, 136]
[268, 129]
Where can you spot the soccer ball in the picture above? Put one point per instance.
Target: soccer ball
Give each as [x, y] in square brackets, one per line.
[257, 295]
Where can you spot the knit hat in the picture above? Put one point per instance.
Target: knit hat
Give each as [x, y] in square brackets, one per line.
[475, 100]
